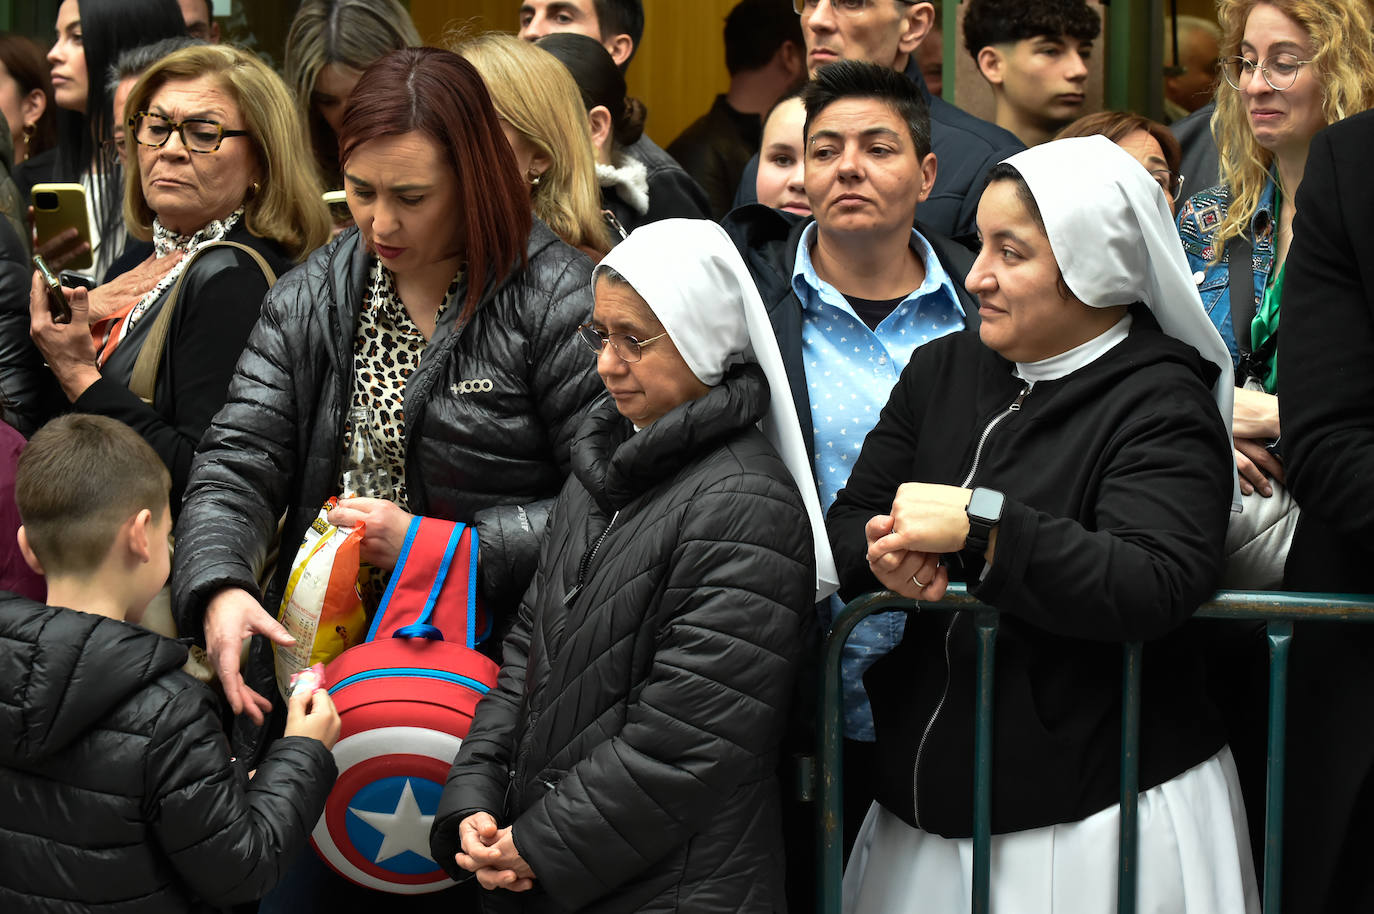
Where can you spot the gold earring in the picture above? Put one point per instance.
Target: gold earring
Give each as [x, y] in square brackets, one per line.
[253, 190]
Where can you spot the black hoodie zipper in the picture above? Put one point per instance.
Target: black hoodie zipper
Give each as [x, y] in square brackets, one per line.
[996, 420]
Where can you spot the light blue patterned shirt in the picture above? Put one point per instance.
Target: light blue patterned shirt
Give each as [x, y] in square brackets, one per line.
[850, 372]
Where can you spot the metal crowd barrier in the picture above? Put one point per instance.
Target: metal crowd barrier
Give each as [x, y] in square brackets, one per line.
[1277, 610]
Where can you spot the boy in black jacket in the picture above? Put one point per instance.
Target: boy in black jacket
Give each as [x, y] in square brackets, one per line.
[116, 786]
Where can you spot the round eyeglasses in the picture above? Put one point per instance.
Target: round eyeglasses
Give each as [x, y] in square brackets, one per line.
[198, 134]
[625, 346]
[1170, 183]
[844, 7]
[1279, 71]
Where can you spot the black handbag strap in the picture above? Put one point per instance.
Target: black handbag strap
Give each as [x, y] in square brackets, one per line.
[1240, 263]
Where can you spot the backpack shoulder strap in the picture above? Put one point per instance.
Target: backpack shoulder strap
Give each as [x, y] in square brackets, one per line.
[143, 380]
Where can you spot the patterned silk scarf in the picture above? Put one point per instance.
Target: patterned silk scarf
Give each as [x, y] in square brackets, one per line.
[109, 332]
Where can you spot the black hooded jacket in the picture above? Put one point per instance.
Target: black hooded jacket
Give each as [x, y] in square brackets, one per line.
[1118, 486]
[632, 736]
[116, 788]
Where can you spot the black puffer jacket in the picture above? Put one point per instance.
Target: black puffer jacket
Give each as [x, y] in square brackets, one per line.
[496, 458]
[641, 711]
[27, 388]
[116, 790]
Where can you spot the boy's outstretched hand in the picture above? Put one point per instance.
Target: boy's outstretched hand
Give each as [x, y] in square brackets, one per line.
[313, 714]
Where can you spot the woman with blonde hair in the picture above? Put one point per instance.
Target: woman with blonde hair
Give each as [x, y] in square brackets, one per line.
[218, 174]
[330, 44]
[541, 113]
[1291, 67]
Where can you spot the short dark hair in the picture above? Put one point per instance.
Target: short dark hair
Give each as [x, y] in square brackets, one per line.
[441, 95]
[621, 17]
[754, 31]
[600, 81]
[860, 79]
[134, 61]
[990, 22]
[79, 479]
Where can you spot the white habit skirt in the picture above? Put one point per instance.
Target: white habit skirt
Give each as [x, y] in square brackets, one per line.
[1194, 857]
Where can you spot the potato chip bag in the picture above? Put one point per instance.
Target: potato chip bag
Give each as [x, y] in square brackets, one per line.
[321, 607]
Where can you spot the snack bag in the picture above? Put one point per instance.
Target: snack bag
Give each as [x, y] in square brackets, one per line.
[321, 607]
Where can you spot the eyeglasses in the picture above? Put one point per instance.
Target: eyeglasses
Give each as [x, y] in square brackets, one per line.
[198, 134]
[626, 347]
[1170, 183]
[844, 7]
[1279, 71]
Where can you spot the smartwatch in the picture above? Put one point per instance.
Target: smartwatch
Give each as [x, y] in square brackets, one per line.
[984, 512]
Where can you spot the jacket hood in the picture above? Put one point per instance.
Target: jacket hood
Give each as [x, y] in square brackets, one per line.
[615, 464]
[64, 670]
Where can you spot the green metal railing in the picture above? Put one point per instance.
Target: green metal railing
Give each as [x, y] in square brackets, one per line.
[1277, 610]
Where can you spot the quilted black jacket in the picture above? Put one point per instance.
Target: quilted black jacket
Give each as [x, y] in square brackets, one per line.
[116, 789]
[494, 457]
[632, 736]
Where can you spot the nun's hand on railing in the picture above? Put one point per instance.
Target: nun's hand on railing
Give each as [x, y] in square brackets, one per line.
[911, 573]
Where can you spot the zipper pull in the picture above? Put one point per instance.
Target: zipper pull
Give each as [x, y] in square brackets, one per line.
[1021, 397]
[572, 593]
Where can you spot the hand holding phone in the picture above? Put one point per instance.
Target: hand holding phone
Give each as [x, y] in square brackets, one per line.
[58, 306]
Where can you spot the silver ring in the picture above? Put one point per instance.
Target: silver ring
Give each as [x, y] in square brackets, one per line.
[917, 583]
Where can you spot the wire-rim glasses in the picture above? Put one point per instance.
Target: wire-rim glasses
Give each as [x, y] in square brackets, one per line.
[1280, 71]
[198, 134]
[1169, 182]
[846, 7]
[625, 346]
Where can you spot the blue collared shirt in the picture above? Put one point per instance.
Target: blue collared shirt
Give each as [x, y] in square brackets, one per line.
[850, 372]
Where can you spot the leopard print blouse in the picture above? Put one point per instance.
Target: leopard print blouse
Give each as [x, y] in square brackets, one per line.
[386, 352]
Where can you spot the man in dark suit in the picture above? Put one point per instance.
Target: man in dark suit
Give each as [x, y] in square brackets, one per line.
[1326, 359]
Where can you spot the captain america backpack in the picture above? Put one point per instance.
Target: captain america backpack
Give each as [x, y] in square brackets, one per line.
[406, 697]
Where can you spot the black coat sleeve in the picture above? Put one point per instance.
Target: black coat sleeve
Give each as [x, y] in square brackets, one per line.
[713, 703]
[562, 377]
[230, 841]
[30, 392]
[221, 299]
[1136, 569]
[1326, 352]
[240, 480]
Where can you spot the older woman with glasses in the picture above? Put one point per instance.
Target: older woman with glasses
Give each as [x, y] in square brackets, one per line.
[1149, 142]
[625, 761]
[218, 176]
[1291, 68]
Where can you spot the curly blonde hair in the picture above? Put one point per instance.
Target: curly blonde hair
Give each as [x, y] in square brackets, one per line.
[537, 96]
[1340, 32]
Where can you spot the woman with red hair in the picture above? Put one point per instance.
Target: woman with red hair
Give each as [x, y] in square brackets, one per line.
[448, 317]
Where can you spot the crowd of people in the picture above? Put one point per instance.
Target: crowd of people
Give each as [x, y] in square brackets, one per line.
[839, 336]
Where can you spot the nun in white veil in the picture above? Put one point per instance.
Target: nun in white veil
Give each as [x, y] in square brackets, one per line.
[626, 760]
[1070, 461]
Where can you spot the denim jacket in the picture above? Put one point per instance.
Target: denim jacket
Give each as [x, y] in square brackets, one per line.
[1198, 221]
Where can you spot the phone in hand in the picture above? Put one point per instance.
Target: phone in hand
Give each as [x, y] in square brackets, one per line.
[57, 208]
[58, 306]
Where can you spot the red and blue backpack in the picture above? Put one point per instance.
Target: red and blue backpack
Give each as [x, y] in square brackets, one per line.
[406, 697]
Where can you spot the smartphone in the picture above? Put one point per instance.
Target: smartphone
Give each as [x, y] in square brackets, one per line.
[58, 207]
[337, 201]
[58, 305]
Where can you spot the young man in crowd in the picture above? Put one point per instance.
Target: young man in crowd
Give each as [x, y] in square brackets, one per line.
[888, 33]
[617, 24]
[1034, 54]
[765, 56]
[118, 789]
[851, 293]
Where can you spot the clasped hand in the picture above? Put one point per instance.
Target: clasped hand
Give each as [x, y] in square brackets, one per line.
[489, 852]
[905, 546]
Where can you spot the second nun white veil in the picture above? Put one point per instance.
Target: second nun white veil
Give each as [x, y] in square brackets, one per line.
[698, 287]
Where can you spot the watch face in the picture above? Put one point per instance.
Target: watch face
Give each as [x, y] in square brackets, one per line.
[986, 505]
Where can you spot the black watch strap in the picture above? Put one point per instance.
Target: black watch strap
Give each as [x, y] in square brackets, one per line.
[984, 513]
